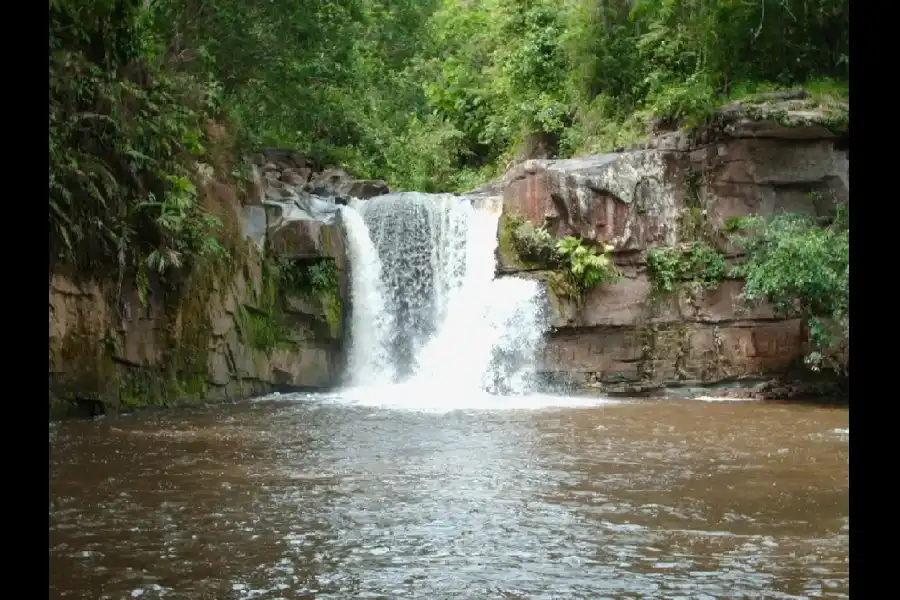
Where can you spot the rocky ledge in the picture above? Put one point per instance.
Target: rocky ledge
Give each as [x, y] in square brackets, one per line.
[679, 190]
[272, 317]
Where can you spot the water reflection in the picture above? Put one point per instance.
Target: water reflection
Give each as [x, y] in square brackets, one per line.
[310, 499]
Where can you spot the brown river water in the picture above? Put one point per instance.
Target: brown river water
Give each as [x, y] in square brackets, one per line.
[308, 497]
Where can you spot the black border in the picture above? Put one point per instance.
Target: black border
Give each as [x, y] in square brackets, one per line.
[868, 168]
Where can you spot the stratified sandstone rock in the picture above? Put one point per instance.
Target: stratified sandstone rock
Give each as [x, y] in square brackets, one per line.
[678, 188]
[628, 200]
[107, 343]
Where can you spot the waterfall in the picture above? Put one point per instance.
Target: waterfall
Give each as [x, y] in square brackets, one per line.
[370, 324]
[427, 309]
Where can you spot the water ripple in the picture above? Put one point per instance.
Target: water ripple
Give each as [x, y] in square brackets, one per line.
[318, 497]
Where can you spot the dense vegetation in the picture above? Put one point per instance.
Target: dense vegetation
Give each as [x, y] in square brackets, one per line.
[799, 265]
[803, 268]
[149, 97]
[576, 266]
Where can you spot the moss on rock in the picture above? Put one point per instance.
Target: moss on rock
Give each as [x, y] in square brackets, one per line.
[507, 255]
[320, 282]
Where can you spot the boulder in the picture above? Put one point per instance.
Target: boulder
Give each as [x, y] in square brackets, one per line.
[328, 182]
[628, 200]
[338, 183]
[363, 188]
[305, 239]
[304, 228]
[296, 177]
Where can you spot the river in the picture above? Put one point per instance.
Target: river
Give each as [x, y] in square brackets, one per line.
[311, 496]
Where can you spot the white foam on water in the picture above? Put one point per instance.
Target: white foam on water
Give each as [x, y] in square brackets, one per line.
[724, 399]
[424, 397]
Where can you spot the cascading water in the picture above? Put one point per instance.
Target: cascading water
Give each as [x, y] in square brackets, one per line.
[427, 309]
[370, 321]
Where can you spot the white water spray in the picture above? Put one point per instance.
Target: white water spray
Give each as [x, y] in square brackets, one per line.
[370, 322]
[486, 321]
[445, 325]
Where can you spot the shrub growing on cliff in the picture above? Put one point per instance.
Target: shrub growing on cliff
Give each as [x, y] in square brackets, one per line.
[532, 244]
[801, 267]
[577, 266]
[698, 263]
[586, 267]
[580, 268]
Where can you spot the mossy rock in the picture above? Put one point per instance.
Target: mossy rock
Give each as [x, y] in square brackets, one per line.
[507, 255]
[829, 113]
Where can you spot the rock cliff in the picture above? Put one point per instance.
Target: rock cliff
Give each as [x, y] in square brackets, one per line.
[270, 316]
[677, 191]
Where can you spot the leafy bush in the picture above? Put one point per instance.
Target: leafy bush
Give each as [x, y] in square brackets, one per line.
[125, 140]
[533, 244]
[801, 267]
[579, 267]
[698, 263]
[319, 276]
[586, 267]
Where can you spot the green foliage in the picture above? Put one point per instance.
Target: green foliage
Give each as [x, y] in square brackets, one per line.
[801, 267]
[586, 268]
[698, 264]
[335, 80]
[642, 64]
[320, 279]
[301, 277]
[430, 95]
[578, 266]
[495, 71]
[125, 139]
[533, 245]
[597, 76]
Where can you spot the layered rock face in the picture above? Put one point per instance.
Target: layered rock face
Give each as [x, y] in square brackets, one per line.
[271, 317]
[677, 190]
